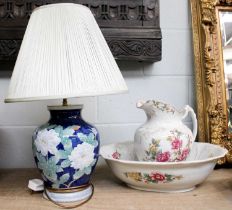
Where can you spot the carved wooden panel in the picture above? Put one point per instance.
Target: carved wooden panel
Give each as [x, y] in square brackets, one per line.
[131, 27]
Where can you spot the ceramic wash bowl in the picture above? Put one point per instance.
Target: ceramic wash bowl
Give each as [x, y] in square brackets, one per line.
[162, 176]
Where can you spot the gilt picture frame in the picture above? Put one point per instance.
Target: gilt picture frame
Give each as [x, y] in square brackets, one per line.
[212, 103]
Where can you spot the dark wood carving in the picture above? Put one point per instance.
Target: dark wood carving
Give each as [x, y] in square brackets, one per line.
[131, 27]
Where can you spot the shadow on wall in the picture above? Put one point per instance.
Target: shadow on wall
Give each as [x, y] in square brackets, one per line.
[131, 69]
[128, 69]
[5, 74]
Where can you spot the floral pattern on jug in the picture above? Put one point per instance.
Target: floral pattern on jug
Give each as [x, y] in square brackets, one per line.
[154, 177]
[164, 137]
[66, 155]
[179, 150]
[163, 107]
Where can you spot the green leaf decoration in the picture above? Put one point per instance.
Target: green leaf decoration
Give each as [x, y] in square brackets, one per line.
[56, 185]
[51, 176]
[67, 144]
[78, 174]
[41, 160]
[87, 170]
[59, 129]
[68, 131]
[54, 159]
[82, 137]
[60, 169]
[64, 178]
[49, 166]
[65, 163]
[48, 127]
[63, 154]
[90, 139]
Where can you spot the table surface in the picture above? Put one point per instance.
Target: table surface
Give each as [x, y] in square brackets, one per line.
[111, 194]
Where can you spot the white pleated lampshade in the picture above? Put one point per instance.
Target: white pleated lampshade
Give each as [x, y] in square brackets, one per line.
[63, 54]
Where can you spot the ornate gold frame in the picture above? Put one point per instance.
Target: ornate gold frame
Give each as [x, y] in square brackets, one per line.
[209, 73]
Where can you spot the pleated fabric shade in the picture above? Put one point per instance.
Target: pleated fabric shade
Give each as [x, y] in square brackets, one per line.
[63, 54]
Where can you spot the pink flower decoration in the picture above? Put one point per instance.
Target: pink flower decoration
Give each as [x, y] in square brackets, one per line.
[184, 154]
[116, 155]
[176, 143]
[163, 157]
[158, 177]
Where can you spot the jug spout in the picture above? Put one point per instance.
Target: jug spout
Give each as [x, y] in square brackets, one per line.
[140, 104]
[159, 109]
[147, 106]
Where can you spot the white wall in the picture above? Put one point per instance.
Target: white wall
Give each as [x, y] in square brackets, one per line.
[116, 116]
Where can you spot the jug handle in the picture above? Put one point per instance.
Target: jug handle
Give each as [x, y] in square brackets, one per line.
[189, 109]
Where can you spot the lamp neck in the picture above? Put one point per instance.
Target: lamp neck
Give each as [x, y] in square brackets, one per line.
[65, 102]
[65, 116]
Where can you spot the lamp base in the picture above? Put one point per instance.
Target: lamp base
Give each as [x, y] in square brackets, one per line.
[65, 197]
[66, 150]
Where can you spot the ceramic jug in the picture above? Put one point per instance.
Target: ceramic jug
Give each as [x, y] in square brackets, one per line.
[164, 137]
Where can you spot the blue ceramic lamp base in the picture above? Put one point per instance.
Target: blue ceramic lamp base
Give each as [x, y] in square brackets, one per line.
[66, 151]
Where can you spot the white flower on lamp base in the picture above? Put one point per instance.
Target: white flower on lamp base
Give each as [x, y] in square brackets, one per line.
[82, 156]
[46, 141]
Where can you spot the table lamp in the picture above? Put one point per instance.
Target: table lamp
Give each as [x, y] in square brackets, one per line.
[63, 55]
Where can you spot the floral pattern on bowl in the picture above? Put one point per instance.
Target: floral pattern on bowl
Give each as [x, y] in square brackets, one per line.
[179, 176]
[153, 177]
[116, 155]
